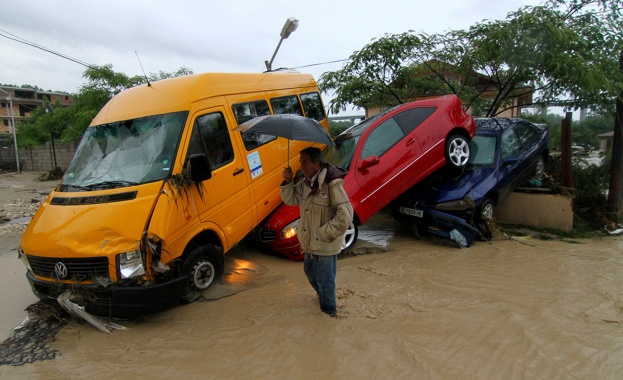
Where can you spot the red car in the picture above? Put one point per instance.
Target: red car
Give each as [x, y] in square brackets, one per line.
[385, 155]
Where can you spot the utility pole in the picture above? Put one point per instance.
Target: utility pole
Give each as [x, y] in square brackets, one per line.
[614, 190]
[10, 99]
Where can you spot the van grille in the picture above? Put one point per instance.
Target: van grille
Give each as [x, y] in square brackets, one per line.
[77, 269]
[108, 198]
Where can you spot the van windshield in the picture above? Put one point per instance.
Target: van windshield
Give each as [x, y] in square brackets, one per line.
[125, 153]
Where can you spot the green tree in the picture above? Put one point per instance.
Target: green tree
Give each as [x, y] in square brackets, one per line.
[338, 127]
[560, 56]
[70, 123]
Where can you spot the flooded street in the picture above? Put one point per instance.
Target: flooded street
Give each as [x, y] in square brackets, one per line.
[407, 308]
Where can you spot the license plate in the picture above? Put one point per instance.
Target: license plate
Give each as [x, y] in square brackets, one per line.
[412, 211]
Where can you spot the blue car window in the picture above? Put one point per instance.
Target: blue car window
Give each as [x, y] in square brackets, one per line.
[511, 146]
[526, 133]
[482, 150]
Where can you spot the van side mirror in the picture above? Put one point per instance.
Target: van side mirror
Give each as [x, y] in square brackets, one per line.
[200, 168]
[369, 162]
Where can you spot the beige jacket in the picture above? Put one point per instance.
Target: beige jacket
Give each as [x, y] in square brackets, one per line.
[325, 214]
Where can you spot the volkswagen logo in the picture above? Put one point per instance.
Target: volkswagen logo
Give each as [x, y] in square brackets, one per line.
[61, 270]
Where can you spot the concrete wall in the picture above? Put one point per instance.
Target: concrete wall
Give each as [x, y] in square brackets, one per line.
[38, 159]
[537, 210]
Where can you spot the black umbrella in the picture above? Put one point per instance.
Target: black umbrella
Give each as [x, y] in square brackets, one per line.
[292, 127]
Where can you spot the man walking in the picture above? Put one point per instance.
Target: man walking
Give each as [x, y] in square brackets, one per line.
[326, 213]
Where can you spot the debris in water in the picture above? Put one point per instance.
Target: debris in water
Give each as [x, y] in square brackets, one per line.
[79, 311]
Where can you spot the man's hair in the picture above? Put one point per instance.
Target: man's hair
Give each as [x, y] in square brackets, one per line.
[314, 154]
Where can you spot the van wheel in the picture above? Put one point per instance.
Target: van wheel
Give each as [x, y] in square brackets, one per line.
[350, 237]
[457, 151]
[204, 265]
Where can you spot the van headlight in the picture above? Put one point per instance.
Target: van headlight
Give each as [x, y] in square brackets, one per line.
[131, 264]
[289, 231]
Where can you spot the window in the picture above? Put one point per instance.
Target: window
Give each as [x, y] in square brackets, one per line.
[248, 111]
[210, 135]
[510, 144]
[286, 104]
[382, 138]
[313, 106]
[411, 118]
[526, 133]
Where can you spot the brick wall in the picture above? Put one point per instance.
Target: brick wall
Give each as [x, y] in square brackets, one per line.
[38, 159]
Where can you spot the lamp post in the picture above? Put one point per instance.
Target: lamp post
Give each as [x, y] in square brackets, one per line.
[10, 99]
[289, 27]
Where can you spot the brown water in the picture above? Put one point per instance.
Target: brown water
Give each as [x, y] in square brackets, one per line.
[423, 309]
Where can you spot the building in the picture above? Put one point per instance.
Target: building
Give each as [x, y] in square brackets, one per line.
[605, 141]
[24, 101]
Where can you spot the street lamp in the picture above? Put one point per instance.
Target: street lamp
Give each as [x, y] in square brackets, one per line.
[13, 127]
[289, 27]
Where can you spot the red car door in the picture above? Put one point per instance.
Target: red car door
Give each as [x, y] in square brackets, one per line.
[388, 159]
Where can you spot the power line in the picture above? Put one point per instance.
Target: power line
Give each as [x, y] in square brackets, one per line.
[10, 36]
[321, 63]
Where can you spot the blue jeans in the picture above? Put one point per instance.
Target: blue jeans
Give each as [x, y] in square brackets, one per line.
[320, 271]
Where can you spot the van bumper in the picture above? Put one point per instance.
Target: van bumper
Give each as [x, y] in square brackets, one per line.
[114, 300]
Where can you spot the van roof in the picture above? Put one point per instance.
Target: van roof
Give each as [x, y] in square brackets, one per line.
[177, 94]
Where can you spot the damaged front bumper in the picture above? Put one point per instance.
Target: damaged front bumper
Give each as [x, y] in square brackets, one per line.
[114, 300]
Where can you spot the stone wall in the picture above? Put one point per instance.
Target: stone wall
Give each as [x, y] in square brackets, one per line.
[38, 159]
[537, 210]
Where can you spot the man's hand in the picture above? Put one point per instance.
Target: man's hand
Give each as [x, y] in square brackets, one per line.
[287, 174]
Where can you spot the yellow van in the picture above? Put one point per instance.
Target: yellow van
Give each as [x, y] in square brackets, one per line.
[160, 187]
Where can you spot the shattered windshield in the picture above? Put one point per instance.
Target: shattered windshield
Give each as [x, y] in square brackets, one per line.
[125, 153]
[482, 150]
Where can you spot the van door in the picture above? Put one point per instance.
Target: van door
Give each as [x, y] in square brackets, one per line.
[223, 199]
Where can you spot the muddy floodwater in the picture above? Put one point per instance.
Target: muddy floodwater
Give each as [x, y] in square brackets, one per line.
[408, 309]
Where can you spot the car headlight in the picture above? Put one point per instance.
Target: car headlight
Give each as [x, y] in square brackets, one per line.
[289, 231]
[456, 205]
[131, 264]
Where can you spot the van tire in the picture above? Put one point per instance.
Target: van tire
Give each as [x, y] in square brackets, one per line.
[204, 265]
[457, 151]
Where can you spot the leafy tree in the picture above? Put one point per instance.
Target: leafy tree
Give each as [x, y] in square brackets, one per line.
[557, 54]
[338, 127]
[70, 123]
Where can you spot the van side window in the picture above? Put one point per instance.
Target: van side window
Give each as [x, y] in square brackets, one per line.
[247, 111]
[210, 136]
[313, 106]
[286, 104]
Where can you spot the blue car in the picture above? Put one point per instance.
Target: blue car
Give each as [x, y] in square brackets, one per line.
[504, 153]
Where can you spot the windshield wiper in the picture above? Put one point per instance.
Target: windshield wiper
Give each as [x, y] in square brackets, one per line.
[65, 187]
[111, 184]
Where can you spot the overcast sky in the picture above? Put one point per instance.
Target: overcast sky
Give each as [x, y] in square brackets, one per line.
[204, 35]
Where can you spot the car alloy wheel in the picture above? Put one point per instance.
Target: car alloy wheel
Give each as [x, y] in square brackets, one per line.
[457, 151]
[350, 237]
